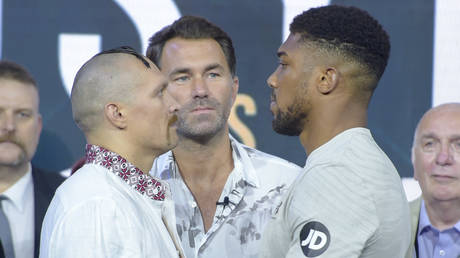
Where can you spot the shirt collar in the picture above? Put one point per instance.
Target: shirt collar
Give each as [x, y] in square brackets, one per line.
[241, 160]
[243, 163]
[17, 193]
[424, 223]
[133, 176]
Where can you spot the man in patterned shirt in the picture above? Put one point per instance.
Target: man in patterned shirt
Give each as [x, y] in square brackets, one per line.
[111, 207]
[224, 191]
[349, 201]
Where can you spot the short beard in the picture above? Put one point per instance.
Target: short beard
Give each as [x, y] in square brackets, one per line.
[292, 121]
[202, 134]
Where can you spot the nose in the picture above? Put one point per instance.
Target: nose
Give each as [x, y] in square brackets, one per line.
[271, 80]
[7, 122]
[200, 89]
[173, 105]
[444, 156]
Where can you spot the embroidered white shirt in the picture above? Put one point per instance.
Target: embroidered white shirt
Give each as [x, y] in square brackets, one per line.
[254, 189]
[109, 208]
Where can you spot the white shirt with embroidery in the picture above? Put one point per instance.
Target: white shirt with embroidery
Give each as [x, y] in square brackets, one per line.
[109, 208]
[254, 189]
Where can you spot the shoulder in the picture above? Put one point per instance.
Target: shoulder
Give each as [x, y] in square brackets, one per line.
[263, 160]
[53, 178]
[46, 181]
[94, 219]
[87, 183]
[415, 205]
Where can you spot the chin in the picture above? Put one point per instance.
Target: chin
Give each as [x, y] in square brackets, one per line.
[12, 162]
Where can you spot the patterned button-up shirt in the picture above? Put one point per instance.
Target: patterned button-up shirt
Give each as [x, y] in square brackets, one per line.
[253, 190]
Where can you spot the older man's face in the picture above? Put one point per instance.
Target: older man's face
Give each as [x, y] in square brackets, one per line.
[20, 122]
[436, 154]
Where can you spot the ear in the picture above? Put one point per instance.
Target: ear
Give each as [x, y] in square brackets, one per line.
[235, 87]
[412, 158]
[116, 115]
[328, 80]
[40, 124]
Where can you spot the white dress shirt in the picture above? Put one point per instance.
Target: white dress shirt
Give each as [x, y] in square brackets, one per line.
[109, 208]
[19, 209]
[254, 189]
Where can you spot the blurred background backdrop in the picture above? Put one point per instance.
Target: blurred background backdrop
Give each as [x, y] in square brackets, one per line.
[54, 38]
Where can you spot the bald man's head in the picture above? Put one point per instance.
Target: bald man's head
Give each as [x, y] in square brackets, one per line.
[107, 77]
[450, 110]
[436, 154]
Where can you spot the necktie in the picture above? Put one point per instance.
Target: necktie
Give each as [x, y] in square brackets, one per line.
[5, 232]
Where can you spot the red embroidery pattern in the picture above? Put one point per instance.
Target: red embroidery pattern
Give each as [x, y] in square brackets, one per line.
[133, 176]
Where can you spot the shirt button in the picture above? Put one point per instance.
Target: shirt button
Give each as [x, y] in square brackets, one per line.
[193, 204]
[442, 252]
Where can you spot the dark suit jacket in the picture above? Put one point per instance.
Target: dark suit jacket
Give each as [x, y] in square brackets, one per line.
[45, 184]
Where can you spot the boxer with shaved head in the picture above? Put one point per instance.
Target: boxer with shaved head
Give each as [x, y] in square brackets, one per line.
[111, 207]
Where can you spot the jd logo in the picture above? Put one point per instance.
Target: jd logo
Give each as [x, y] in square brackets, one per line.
[314, 239]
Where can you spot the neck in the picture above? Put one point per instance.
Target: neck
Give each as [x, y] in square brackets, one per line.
[10, 175]
[443, 214]
[206, 162]
[327, 122]
[135, 154]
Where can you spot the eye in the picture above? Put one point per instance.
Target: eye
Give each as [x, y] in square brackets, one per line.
[24, 114]
[213, 75]
[428, 145]
[457, 145]
[182, 78]
[282, 64]
[162, 90]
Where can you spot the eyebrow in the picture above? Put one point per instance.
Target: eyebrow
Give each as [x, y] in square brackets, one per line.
[188, 70]
[433, 136]
[428, 135]
[213, 66]
[180, 70]
[281, 53]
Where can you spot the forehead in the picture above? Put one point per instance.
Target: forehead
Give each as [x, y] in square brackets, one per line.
[14, 93]
[151, 74]
[186, 53]
[292, 47]
[442, 122]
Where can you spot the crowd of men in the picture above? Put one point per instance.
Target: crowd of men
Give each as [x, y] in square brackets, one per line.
[163, 177]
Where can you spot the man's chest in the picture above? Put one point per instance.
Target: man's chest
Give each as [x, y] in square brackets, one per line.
[238, 221]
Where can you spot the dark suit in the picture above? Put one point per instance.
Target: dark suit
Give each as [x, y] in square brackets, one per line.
[45, 185]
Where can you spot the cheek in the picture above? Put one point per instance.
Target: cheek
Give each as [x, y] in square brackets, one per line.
[423, 165]
[179, 93]
[29, 136]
